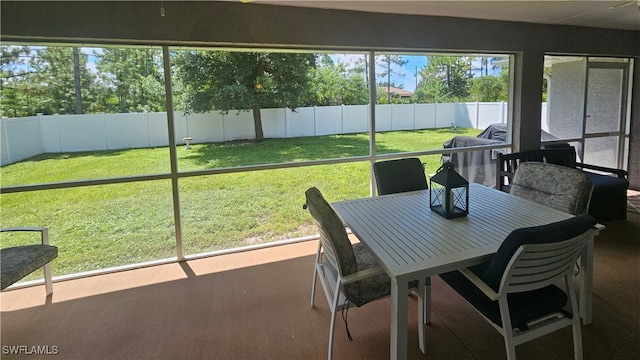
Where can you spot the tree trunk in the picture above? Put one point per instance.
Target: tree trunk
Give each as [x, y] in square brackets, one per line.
[389, 80]
[257, 123]
[76, 75]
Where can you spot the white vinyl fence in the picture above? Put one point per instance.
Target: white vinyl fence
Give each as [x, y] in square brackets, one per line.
[22, 138]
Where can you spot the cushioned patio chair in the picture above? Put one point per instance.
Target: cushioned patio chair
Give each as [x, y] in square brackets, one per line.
[517, 287]
[559, 187]
[19, 261]
[348, 272]
[402, 175]
[609, 196]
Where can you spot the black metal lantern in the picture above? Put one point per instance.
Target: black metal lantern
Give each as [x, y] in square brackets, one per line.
[449, 195]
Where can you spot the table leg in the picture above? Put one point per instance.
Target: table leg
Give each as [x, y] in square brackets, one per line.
[422, 316]
[398, 346]
[586, 286]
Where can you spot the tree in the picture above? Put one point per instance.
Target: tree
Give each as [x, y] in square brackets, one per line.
[45, 80]
[224, 81]
[356, 90]
[445, 79]
[58, 80]
[53, 66]
[388, 62]
[133, 80]
[487, 89]
[332, 84]
[361, 66]
[15, 88]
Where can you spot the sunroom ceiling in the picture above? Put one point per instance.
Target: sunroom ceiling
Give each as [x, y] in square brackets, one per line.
[619, 14]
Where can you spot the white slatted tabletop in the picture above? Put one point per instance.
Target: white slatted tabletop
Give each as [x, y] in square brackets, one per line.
[410, 239]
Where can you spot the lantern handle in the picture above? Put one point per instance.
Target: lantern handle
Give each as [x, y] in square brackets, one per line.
[446, 165]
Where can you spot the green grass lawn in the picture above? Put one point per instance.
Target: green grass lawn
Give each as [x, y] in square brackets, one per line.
[109, 225]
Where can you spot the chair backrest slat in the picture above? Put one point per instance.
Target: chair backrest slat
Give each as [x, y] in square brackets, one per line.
[532, 260]
[328, 248]
[532, 267]
[537, 265]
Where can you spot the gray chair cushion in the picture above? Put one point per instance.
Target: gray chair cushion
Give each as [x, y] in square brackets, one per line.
[20, 261]
[559, 187]
[609, 196]
[371, 288]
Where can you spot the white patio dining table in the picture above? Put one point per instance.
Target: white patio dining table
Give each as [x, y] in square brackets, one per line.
[412, 242]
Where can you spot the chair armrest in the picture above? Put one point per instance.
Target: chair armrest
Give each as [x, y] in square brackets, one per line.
[481, 285]
[622, 174]
[44, 232]
[362, 274]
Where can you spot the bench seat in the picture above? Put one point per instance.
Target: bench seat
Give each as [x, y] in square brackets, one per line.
[19, 261]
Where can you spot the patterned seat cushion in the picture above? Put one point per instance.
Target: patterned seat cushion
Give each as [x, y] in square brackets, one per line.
[372, 288]
[559, 187]
[20, 261]
[351, 258]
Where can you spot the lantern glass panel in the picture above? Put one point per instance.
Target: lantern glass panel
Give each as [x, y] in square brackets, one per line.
[449, 195]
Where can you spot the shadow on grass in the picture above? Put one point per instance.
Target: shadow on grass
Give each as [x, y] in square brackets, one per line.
[269, 151]
[432, 139]
[272, 151]
[75, 155]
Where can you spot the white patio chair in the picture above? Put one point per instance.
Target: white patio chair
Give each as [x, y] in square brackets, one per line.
[348, 272]
[517, 287]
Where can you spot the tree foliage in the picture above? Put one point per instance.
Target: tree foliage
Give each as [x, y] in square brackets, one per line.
[14, 88]
[56, 72]
[42, 81]
[333, 84]
[224, 81]
[58, 80]
[133, 80]
[67, 80]
[487, 89]
[445, 79]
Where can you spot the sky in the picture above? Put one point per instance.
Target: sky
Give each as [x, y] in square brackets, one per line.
[408, 81]
[414, 65]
